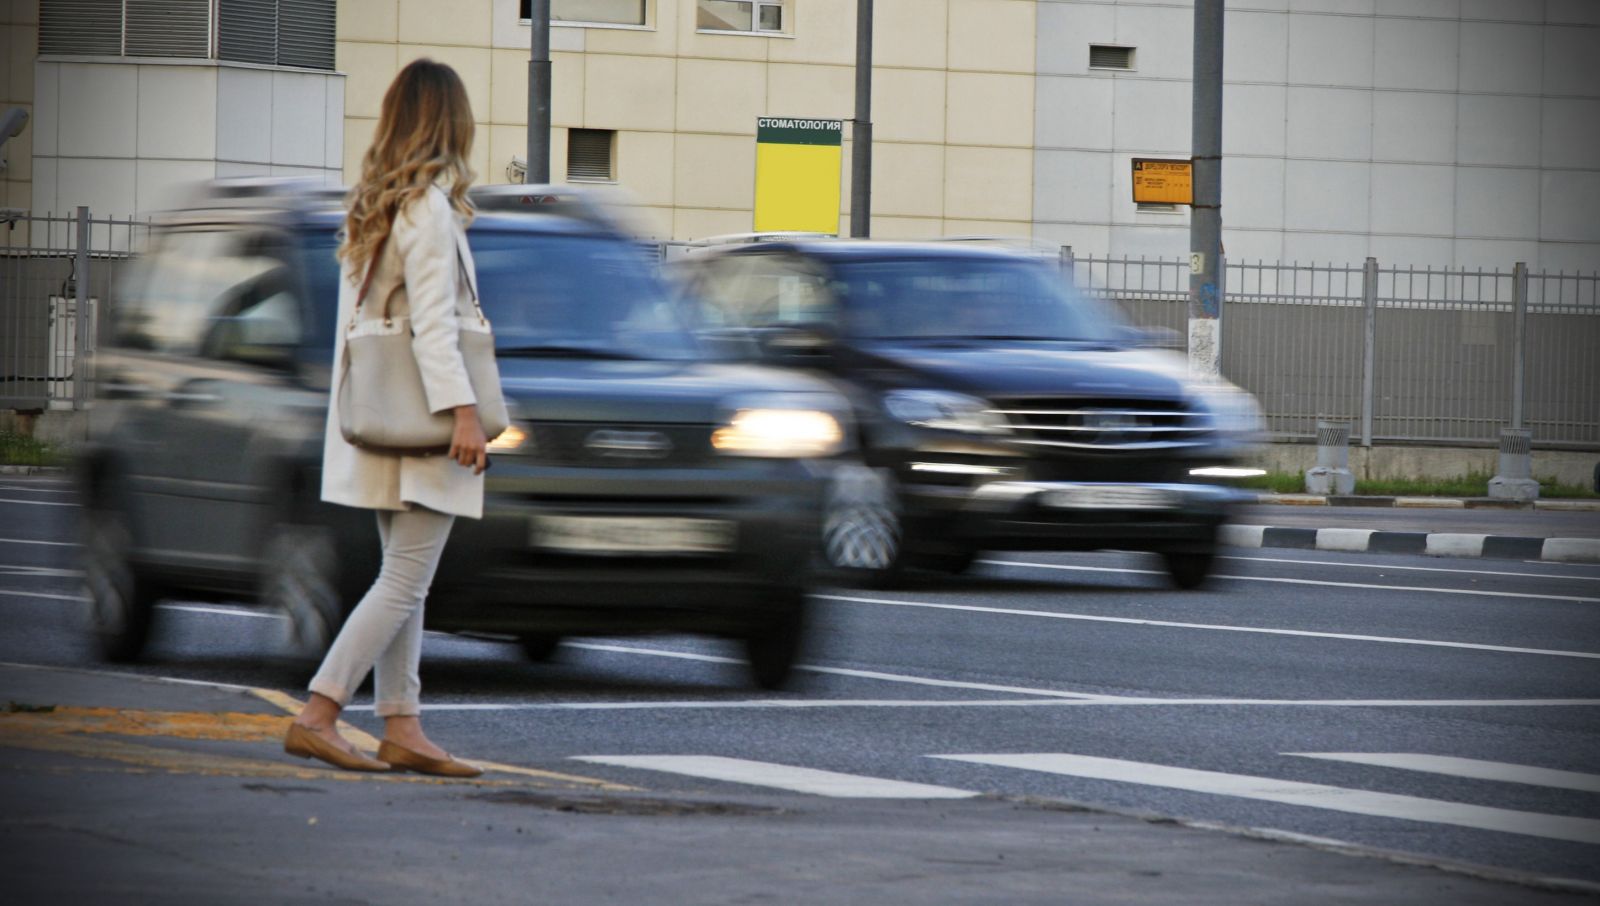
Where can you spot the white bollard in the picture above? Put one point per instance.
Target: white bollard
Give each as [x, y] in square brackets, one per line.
[1331, 474]
[1514, 480]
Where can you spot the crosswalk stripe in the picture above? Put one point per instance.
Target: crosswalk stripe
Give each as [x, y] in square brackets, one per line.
[780, 776]
[1291, 792]
[1466, 767]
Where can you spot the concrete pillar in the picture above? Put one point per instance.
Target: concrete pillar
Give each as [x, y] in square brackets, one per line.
[1331, 474]
[1514, 480]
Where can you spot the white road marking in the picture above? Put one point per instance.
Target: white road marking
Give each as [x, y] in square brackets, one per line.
[224, 611]
[791, 704]
[1475, 592]
[780, 776]
[1291, 792]
[1466, 767]
[27, 490]
[40, 571]
[1379, 568]
[11, 592]
[1173, 624]
[31, 541]
[36, 502]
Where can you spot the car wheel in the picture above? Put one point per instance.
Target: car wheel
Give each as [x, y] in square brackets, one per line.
[121, 603]
[540, 646]
[861, 530]
[773, 648]
[1188, 569]
[300, 580]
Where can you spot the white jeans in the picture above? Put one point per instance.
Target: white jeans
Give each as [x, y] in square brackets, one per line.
[384, 632]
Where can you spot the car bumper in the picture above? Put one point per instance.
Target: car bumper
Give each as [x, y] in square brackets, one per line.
[508, 573]
[1079, 515]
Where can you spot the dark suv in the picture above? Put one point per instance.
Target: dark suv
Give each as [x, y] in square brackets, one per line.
[641, 487]
[996, 409]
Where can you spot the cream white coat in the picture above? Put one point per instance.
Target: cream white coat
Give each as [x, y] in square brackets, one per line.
[421, 276]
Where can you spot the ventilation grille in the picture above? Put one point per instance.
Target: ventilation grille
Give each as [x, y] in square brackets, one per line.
[1102, 424]
[81, 27]
[305, 33]
[247, 31]
[168, 28]
[589, 154]
[1103, 56]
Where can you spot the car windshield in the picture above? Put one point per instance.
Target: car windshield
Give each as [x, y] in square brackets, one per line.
[965, 299]
[554, 295]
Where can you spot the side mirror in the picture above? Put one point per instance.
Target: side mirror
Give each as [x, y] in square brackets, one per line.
[265, 342]
[799, 343]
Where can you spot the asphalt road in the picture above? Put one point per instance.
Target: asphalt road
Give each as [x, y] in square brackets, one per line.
[1445, 708]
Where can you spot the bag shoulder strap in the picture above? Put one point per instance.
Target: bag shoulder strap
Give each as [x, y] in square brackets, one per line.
[366, 285]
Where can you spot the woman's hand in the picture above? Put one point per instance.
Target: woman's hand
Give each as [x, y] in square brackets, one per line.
[469, 446]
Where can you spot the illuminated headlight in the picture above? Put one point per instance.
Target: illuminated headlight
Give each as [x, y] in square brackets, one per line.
[511, 440]
[781, 433]
[1227, 472]
[945, 411]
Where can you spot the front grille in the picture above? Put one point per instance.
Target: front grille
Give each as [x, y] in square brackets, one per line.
[628, 446]
[1076, 423]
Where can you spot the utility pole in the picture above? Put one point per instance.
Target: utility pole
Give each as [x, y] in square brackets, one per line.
[1206, 273]
[861, 128]
[538, 171]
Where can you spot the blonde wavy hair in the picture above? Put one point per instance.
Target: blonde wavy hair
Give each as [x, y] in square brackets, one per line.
[424, 136]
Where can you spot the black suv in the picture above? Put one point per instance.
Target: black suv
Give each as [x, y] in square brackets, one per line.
[641, 487]
[996, 409]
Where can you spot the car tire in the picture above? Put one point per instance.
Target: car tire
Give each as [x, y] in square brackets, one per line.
[1189, 569]
[300, 579]
[121, 602]
[773, 648]
[540, 647]
[862, 533]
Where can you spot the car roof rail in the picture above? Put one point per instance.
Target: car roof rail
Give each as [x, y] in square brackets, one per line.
[239, 198]
[763, 236]
[583, 205]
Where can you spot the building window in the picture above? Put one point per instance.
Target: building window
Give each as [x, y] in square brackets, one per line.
[591, 155]
[748, 16]
[1108, 56]
[589, 12]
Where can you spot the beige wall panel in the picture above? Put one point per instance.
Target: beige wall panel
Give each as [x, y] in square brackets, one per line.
[653, 222]
[645, 166]
[660, 40]
[629, 92]
[508, 88]
[1019, 228]
[692, 223]
[824, 32]
[715, 171]
[504, 143]
[908, 105]
[720, 96]
[911, 33]
[907, 180]
[464, 23]
[558, 156]
[988, 183]
[821, 92]
[23, 50]
[713, 45]
[992, 35]
[904, 227]
[471, 63]
[358, 132]
[368, 20]
[368, 69]
[987, 109]
[25, 12]
[19, 195]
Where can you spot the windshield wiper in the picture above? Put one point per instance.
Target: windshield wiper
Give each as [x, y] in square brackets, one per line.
[564, 350]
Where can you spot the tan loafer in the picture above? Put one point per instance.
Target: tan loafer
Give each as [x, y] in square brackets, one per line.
[404, 759]
[301, 741]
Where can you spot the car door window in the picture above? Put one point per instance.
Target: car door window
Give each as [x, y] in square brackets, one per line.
[767, 290]
[195, 278]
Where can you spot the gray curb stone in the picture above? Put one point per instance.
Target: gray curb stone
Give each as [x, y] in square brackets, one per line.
[1433, 544]
[1570, 505]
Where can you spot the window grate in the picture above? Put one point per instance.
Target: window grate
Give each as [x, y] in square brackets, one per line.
[589, 155]
[81, 27]
[1106, 56]
[168, 28]
[305, 33]
[247, 31]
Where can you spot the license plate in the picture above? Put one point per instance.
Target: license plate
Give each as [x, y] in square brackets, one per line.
[632, 535]
[1110, 497]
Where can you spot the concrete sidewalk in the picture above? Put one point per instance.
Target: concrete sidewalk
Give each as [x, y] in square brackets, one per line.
[131, 790]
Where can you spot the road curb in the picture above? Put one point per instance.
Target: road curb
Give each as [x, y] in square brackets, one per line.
[32, 470]
[1432, 544]
[1568, 505]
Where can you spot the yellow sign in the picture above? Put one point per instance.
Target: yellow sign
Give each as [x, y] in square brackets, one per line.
[798, 165]
[1163, 181]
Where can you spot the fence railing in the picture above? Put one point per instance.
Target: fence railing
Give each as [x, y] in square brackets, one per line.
[56, 279]
[1405, 354]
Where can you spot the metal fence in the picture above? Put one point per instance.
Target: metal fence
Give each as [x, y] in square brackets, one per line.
[1405, 354]
[52, 270]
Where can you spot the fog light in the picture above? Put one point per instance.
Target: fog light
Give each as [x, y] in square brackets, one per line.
[1226, 472]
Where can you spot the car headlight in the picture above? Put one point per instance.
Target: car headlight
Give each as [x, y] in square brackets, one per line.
[781, 433]
[945, 411]
[512, 440]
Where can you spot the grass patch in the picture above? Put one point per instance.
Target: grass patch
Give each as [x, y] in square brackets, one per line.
[1473, 484]
[21, 450]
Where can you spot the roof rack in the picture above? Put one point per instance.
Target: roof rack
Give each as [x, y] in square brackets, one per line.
[766, 236]
[586, 205]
